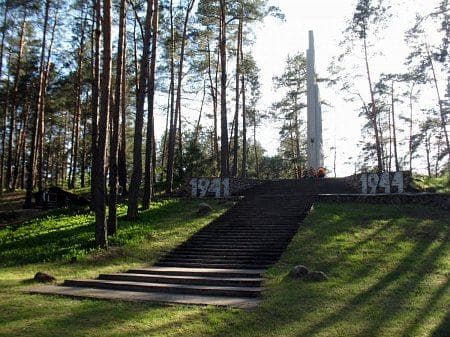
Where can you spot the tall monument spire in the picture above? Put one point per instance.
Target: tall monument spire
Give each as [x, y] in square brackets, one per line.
[315, 154]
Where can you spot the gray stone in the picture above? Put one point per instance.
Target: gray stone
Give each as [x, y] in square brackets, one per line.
[204, 209]
[299, 272]
[44, 277]
[317, 276]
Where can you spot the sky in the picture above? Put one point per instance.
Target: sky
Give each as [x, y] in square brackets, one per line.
[327, 18]
[276, 39]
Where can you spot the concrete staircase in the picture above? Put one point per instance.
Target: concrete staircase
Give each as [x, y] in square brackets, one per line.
[225, 260]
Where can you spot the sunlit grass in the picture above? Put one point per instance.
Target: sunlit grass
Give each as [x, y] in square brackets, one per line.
[433, 184]
[388, 269]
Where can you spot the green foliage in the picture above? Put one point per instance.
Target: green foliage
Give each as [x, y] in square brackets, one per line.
[65, 234]
[432, 184]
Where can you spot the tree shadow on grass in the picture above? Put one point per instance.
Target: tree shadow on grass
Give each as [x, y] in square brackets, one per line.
[290, 305]
[444, 327]
[43, 243]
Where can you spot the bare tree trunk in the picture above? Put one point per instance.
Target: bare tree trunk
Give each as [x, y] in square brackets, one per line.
[3, 30]
[224, 157]
[166, 131]
[122, 158]
[234, 170]
[101, 237]
[172, 118]
[244, 117]
[21, 141]
[394, 130]
[213, 89]
[428, 151]
[5, 122]
[254, 145]
[41, 107]
[410, 145]
[115, 116]
[136, 176]
[373, 115]
[37, 129]
[3, 127]
[150, 144]
[389, 166]
[96, 32]
[12, 119]
[77, 117]
[438, 153]
[83, 155]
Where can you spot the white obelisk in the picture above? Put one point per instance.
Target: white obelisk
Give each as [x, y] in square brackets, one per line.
[315, 154]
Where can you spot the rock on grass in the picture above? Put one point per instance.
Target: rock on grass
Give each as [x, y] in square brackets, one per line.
[204, 209]
[44, 277]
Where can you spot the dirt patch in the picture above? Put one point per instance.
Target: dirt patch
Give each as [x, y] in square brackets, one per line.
[12, 212]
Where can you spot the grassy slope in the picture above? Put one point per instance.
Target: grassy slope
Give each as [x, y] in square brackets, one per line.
[433, 184]
[388, 269]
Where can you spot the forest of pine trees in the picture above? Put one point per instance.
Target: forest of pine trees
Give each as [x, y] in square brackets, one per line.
[82, 82]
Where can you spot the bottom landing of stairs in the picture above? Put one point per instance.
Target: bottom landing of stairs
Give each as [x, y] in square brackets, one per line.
[136, 296]
[187, 294]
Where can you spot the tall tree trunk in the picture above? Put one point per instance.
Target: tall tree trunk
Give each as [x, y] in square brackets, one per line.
[244, 118]
[36, 130]
[3, 32]
[115, 116]
[172, 118]
[77, 117]
[224, 157]
[410, 143]
[428, 151]
[4, 124]
[234, 170]
[254, 145]
[83, 155]
[41, 106]
[389, 166]
[166, 131]
[136, 176]
[213, 89]
[105, 88]
[394, 130]
[150, 144]
[12, 119]
[122, 158]
[21, 141]
[373, 114]
[95, 51]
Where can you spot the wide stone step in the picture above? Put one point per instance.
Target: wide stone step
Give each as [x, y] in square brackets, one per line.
[250, 228]
[223, 265]
[209, 272]
[184, 279]
[238, 237]
[229, 260]
[248, 234]
[209, 255]
[237, 240]
[226, 251]
[258, 245]
[170, 288]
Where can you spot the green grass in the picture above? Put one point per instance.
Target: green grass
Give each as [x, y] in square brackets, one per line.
[388, 269]
[432, 184]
